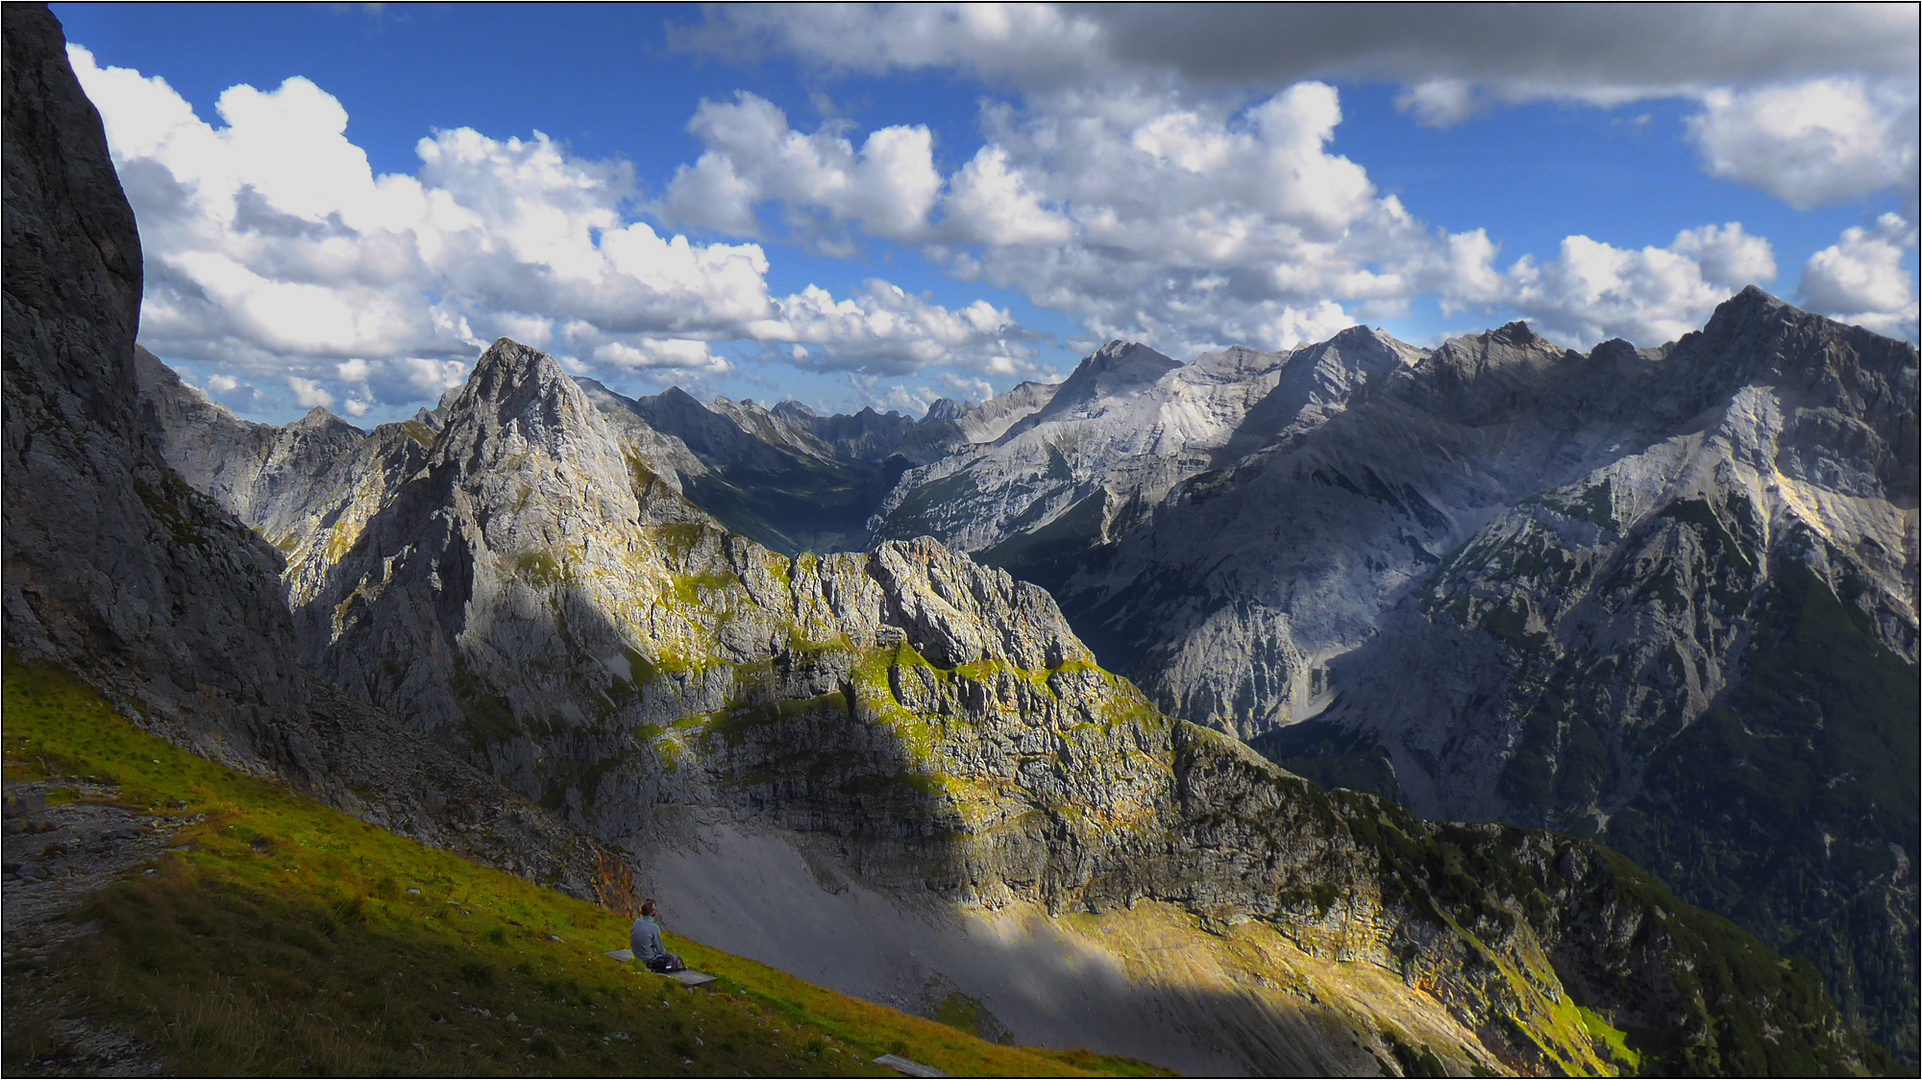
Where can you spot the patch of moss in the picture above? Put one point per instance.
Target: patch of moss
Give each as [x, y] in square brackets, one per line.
[419, 432]
[541, 569]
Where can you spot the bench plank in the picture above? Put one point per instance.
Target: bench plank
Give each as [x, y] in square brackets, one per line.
[907, 1068]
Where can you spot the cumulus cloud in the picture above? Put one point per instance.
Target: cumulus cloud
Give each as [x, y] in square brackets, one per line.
[1726, 255]
[276, 256]
[1860, 279]
[1592, 290]
[888, 185]
[1190, 226]
[1813, 143]
[1452, 61]
[309, 393]
[883, 329]
[1128, 191]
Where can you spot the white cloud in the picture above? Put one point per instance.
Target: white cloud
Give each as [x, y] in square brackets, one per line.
[993, 204]
[309, 393]
[1806, 102]
[680, 354]
[882, 329]
[1186, 226]
[1860, 279]
[1727, 256]
[1193, 226]
[1592, 290]
[1440, 103]
[1813, 143]
[889, 185]
[275, 254]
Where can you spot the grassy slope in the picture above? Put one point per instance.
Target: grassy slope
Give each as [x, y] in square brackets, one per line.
[283, 937]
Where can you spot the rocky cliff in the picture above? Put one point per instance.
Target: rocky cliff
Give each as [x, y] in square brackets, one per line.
[116, 568]
[1701, 652]
[1583, 554]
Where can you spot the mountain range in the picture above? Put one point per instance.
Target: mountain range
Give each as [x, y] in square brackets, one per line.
[1609, 568]
[599, 642]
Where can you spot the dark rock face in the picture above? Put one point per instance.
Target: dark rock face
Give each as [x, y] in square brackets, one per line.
[118, 569]
[110, 559]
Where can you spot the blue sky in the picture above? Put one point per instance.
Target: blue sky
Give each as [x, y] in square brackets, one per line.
[341, 204]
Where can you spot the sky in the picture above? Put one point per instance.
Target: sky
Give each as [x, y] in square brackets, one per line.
[852, 205]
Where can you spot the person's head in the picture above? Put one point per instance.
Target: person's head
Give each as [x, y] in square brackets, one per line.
[648, 910]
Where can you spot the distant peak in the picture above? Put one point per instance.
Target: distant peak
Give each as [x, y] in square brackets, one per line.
[943, 410]
[507, 363]
[1747, 309]
[1518, 332]
[509, 375]
[1131, 356]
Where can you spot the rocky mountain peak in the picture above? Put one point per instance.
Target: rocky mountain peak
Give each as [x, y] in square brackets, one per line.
[1119, 369]
[1516, 333]
[944, 410]
[1507, 357]
[520, 389]
[318, 419]
[1126, 360]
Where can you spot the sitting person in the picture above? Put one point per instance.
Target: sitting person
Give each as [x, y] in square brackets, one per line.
[645, 939]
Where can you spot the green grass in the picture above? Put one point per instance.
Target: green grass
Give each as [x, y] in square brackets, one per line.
[279, 936]
[1599, 1029]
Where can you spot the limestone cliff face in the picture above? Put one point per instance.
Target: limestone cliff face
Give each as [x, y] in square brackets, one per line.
[106, 551]
[115, 567]
[1701, 652]
[528, 592]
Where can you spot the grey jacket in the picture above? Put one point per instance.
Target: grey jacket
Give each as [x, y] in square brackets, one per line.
[645, 940]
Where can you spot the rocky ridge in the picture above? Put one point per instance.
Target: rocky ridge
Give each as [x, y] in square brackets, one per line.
[1702, 653]
[936, 729]
[785, 477]
[1585, 553]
